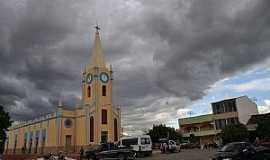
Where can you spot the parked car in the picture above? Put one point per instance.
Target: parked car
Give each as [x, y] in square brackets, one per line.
[121, 154]
[242, 151]
[264, 142]
[142, 145]
[184, 145]
[59, 156]
[188, 145]
[169, 145]
[108, 151]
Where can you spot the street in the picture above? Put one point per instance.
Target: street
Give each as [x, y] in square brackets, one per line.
[190, 154]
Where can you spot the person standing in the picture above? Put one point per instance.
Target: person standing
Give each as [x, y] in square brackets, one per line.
[81, 153]
[257, 141]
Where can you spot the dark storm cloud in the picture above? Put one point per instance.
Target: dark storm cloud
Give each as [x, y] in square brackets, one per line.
[32, 56]
[165, 54]
[211, 43]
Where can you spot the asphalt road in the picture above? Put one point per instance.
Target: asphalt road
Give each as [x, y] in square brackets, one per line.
[190, 154]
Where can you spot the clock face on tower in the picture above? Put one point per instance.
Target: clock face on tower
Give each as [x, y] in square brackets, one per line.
[104, 77]
[89, 78]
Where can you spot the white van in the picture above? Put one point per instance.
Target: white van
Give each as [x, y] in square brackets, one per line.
[140, 144]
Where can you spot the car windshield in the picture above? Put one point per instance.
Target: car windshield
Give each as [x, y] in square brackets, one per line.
[145, 140]
[231, 147]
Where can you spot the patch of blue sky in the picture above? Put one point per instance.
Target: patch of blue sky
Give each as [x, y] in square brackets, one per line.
[226, 89]
[248, 76]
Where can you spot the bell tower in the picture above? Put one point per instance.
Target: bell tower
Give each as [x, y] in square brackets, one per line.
[97, 95]
[96, 78]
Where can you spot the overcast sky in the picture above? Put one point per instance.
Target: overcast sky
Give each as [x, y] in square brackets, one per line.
[169, 57]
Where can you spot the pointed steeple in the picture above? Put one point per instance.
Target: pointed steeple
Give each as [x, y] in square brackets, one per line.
[97, 57]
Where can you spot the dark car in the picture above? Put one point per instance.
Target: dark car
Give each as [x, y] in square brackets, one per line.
[241, 151]
[265, 142]
[109, 151]
[120, 153]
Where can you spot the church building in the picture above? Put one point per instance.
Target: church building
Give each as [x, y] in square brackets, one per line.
[94, 121]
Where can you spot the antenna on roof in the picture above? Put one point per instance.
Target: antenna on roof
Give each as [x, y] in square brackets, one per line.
[190, 113]
[254, 99]
[97, 27]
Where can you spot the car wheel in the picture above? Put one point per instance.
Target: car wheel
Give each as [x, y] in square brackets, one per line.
[134, 155]
[122, 157]
[139, 154]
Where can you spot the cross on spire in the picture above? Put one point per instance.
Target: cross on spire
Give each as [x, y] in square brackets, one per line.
[97, 27]
[97, 57]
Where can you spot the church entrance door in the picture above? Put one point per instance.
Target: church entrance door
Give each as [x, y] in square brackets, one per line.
[104, 137]
[68, 143]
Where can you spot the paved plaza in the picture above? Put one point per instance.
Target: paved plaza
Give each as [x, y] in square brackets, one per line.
[190, 154]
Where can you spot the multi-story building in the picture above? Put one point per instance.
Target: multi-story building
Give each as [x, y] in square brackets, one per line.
[233, 111]
[225, 112]
[93, 121]
[200, 126]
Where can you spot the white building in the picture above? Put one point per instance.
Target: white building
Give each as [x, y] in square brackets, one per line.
[233, 111]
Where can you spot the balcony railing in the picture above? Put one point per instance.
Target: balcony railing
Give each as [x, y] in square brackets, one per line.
[202, 133]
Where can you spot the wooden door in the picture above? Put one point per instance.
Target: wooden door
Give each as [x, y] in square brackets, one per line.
[68, 142]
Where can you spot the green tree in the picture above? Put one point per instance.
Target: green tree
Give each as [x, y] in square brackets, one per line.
[5, 122]
[233, 133]
[161, 131]
[263, 128]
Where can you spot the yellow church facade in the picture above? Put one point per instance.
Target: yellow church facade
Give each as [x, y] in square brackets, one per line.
[94, 121]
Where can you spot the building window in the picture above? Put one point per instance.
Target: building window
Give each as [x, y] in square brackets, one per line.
[104, 116]
[91, 129]
[68, 123]
[214, 109]
[15, 144]
[115, 130]
[43, 139]
[220, 123]
[25, 143]
[226, 107]
[220, 108]
[36, 141]
[234, 107]
[89, 91]
[44, 134]
[103, 90]
[30, 142]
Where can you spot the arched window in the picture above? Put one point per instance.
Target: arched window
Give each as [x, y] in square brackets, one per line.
[103, 90]
[89, 91]
[91, 129]
[104, 119]
[115, 126]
